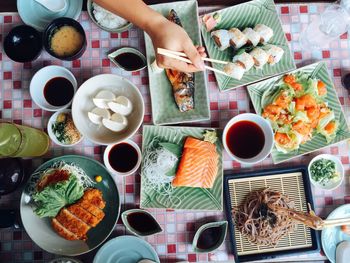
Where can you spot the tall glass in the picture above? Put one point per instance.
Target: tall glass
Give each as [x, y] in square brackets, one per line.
[22, 141]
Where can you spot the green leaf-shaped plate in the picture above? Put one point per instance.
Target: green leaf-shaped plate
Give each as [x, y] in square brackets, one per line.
[248, 15]
[191, 198]
[319, 71]
[164, 108]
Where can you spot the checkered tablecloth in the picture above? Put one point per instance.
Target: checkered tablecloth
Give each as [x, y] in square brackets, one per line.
[174, 244]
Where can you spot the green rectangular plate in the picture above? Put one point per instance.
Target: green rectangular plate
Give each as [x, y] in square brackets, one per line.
[191, 198]
[318, 70]
[248, 15]
[164, 108]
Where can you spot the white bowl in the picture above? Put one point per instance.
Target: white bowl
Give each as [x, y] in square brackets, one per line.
[82, 104]
[53, 137]
[338, 166]
[39, 80]
[268, 134]
[110, 168]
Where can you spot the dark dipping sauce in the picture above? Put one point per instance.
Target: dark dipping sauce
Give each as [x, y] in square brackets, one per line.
[58, 91]
[245, 139]
[129, 61]
[123, 157]
[142, 222]
[209, 237]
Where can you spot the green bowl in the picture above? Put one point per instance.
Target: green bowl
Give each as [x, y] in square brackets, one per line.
[40, 230]
[221, 224]
[113, 30]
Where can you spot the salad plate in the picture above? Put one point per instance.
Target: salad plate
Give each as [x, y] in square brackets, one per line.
[265, 93]
[40, 229]
[164, 108]
[161, 185]
[241, 16]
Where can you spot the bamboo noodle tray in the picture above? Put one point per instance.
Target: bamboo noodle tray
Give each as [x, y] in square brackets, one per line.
[293, 182]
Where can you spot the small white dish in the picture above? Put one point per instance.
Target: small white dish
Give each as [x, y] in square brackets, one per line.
[40, 79]
[265, 127]
[110, 168]
[82, 104]
[53, 137]
[53, 5]
[333, 184]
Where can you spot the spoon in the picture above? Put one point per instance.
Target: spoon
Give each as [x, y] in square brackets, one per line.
[53, 5]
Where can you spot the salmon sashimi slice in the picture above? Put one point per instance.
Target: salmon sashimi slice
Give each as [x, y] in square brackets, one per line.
[198, 165]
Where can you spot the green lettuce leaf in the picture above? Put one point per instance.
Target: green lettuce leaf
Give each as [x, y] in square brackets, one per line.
[293, 145]
[300, 115]
[53, 197]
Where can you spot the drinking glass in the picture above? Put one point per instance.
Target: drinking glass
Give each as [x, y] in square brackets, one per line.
[331, 24]
[22, 141]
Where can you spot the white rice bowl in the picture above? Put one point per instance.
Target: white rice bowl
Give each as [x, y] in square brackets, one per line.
[107, 19]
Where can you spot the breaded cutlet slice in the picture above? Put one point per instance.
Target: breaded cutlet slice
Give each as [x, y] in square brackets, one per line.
[72, 223]
[94, 197]
[83, 215]
[62, 231]
[97, 212]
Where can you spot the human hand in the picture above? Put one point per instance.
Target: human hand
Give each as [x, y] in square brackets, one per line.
[168, 35]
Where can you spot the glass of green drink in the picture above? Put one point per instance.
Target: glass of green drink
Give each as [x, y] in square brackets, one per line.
[22, 141]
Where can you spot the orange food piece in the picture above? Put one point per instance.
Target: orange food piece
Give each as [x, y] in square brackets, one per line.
[282, 138]
[301, 127]
[272, 111]
[283, 100]
[198, 165]
[330, 127]
[289, 79]
[321, 87]
[313, 113]
[296, 86]
[305, 101]
[345, 229]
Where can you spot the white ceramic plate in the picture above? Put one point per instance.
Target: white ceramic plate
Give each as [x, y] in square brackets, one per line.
[82, 104]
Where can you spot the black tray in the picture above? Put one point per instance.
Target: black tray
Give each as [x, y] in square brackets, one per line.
[315, 237]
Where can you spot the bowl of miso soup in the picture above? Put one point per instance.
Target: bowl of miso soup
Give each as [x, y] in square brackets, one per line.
[64, 38]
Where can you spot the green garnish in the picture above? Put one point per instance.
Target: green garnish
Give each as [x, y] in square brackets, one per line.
[323, 171]
[210, 136]
[53, 197]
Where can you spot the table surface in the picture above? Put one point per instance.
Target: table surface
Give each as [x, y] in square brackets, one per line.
[174, 244]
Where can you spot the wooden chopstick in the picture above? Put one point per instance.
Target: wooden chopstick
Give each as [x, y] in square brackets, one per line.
[166, 53]
[336, 222]
[163, 51]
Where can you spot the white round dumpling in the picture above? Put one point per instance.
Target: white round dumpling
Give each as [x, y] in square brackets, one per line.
[116, 123]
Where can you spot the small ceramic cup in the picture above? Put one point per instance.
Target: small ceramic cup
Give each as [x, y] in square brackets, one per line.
[125, 214]
[195, 244]
[338, 166]
[39, 81]
[124, 50]
[110, 168]
[265, 127]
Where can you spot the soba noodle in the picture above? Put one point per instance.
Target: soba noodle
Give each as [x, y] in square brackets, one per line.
[255, 220]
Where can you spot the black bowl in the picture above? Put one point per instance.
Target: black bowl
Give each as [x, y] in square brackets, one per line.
[53, 27]
[23, 44]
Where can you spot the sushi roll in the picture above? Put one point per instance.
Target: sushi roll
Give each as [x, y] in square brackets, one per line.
[265, 32]
[260, 57]
[234, 70]
[253, 38]
[238, 39]
[210, 21]
[221, 38]
[274, 53]
[244, 60]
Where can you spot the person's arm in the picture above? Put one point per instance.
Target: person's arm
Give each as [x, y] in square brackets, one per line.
[164, 34]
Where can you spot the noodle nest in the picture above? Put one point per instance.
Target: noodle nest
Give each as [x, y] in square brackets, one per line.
[261, 225]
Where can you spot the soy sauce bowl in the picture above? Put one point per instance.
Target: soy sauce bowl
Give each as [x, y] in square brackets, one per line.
[266, 129]
[216, 243]
[128, 54]
[52, 28]
[151, 220]
[109, 158]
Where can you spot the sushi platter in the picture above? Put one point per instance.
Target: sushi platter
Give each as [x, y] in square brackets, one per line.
[180, 155]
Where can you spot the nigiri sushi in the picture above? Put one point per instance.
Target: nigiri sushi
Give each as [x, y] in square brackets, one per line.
[244, 60]
[234, 70]
[221, 38]
[264, 31]
[274, 53]
[260, 57]
[253, 38]
[238, 39]
[210, 21]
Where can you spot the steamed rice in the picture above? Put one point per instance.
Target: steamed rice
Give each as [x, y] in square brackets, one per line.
[106, 18]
